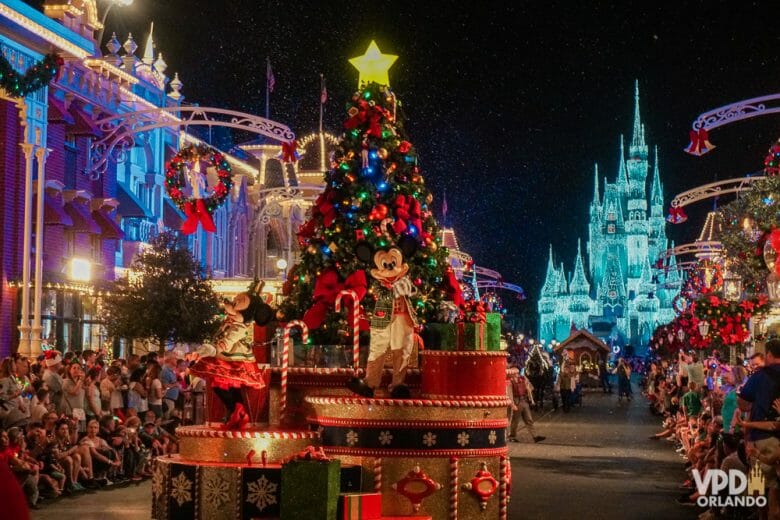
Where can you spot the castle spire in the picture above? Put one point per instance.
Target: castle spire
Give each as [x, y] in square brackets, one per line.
[656, 194]
[596, 196]
[579, 282]
[638, 138]
[622, 176]
[149, 49]
[550, 280]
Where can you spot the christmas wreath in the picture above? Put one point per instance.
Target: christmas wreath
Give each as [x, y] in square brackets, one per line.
[183, 169]
[36, 77]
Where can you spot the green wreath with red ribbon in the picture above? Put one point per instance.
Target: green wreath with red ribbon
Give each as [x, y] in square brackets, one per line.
[197, 210]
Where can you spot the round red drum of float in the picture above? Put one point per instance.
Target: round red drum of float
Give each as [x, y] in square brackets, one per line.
[447, 374]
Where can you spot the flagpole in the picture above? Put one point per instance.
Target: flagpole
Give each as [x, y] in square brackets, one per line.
[267, 93]
[322, 84]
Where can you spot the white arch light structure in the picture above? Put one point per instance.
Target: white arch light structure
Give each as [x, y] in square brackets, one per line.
[119, 130]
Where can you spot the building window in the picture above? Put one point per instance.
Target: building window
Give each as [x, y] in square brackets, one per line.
[96, 244]
[71, 154]
[611, 228]
[70, 244]
[611, 216]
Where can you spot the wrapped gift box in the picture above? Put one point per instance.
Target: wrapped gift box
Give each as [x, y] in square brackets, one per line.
[472, 336]
[351, 478]
[310, 489]
[440, 336]
[493, 325]
[360, 506]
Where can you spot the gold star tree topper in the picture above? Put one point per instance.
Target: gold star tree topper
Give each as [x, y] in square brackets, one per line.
[373, 65]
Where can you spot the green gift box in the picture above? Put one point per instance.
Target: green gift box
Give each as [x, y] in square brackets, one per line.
[472, 336]
[493, 330]
[310, 489]
[440, 336]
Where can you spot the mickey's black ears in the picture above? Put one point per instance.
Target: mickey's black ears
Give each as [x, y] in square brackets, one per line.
[364, 252]
[408, 246]
[263, 313]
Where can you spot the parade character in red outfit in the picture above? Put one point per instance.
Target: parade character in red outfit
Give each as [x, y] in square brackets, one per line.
[232, 367]
[392, 323]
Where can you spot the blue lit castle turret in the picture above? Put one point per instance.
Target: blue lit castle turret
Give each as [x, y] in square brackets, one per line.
[621, 297]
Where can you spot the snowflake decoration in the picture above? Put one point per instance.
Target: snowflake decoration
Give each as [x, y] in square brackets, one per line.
[492, 437]
[181, 488]
[385, 438]
[158, 481]
[262, 493]
[216, 490]
[463, 439]
[352, 437]
[429, 439]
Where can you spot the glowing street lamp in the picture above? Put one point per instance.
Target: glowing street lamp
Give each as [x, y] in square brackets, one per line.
[80, 270]
[281, 265]
[109, 5]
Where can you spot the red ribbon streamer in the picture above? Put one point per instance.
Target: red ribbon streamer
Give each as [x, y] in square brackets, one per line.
[197, 213]
[290, 151]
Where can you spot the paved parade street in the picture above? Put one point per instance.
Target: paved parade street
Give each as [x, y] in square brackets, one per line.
[597, 463]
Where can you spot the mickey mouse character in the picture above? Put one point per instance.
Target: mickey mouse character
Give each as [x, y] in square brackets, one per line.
[393, 320]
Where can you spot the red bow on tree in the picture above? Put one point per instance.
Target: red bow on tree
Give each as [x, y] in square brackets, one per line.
[290, 152]
[196, 212]
[324, 206]
[326, 288]
[452, 288]
[676, 215]
[365, 113]
[407, 213]
[700, 142]
[774, 239]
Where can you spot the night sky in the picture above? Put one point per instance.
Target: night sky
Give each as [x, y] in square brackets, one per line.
[509, 103]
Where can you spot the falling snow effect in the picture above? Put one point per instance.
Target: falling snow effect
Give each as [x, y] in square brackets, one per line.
[511, 103]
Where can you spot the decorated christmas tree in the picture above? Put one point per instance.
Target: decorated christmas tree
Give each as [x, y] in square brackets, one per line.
[375, 198]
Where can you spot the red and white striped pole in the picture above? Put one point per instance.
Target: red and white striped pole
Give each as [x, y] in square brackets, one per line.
[355, 325]
[286, 347]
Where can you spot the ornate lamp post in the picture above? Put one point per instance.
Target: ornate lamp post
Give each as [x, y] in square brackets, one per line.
[109, 5]
[732, 286]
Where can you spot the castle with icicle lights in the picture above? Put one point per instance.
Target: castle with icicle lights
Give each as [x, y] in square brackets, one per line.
[615, 290]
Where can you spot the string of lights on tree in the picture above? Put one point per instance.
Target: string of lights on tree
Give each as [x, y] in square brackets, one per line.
[375, 196]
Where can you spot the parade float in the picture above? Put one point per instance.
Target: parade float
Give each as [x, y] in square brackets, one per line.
[385, 394]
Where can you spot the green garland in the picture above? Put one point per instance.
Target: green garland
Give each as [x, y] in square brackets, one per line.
[36, 77]
[747, 222]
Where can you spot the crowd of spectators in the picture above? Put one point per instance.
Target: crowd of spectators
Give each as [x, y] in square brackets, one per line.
[721, 416]
[81, 422]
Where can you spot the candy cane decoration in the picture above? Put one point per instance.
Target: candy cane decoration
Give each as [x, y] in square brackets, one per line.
[286, 346]
[378, 475]
[355, 325]
[454, 488]
[503, 487]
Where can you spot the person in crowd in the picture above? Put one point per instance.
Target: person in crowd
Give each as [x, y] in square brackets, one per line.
[756, 398]
[108, 385]
[568, 381]
[136, 394]
[26, 474]
[606, 385]
[154, 389]
[92, 401]
[170, 382]
[11, 391]
[53, 379]
[623, 371]
[73, 395]
[522, 400]
[696, 371]
[104, 458]
[691, 401]
[757, 361]
[42, 405]
[67, 455]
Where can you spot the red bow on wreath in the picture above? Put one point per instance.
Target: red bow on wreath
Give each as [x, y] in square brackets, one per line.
[324, 206]
[290, 152]
[366, 113]
[676, 215]
[196, 212]
[326, 288]
[700, 142]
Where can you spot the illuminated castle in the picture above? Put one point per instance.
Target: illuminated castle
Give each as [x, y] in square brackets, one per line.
[620, 297]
